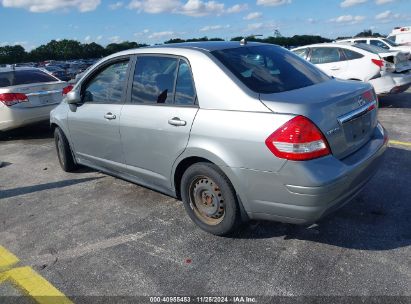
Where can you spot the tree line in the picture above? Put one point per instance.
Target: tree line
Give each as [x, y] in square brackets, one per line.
[72, 49]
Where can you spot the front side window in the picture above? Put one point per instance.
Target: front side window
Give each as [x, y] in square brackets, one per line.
[325, 55]
[269, 69]
[154, 79]
[360, 41]
[379, 44]
[107, 86]
[185, 92]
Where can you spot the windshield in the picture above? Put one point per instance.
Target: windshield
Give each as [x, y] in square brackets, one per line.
[269, 69]
[371, 48]
[390, 42]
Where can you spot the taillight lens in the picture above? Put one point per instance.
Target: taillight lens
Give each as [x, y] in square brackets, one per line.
[10, 99]
[378, 62]
[67, 89]
[298, 139]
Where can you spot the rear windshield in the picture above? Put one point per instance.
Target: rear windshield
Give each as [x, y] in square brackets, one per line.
[269, 69]
[12, 78]
[371, 48]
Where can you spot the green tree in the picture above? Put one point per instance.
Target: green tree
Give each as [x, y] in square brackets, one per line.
[12, 54]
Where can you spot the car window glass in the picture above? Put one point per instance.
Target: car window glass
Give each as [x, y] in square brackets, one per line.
[269, 69]
[107, 86]
[378, 43]
[351, 55]
[360, 41]
[325, 55]
[154, 79]
[301, 52]
[21, 77]
[185, 92]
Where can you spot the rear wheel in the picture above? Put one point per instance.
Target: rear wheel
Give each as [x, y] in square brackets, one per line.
[64, 154]
[210, 199]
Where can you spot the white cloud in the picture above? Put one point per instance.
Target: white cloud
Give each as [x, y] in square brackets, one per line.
[237, 8]
[387, 16]
[198, 8]
[209, 28]
[99, 38]
[254, 26]
[87, 39]
[348, 19]
[194, 8]
[348, 3]
[154, 6]
[41, 6]
[158, 35]
[116, 5]
[381, 2]
[273, 2]
[114, 39]
[254, 15]
[312, 20]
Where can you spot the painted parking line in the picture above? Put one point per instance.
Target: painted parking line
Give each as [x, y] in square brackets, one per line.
[7, 259]
[28, 281]
[400, 143]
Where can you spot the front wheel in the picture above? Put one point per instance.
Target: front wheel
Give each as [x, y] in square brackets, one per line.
[210, 199]
[64, 154]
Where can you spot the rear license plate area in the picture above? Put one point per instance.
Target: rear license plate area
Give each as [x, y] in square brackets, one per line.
[356, 129]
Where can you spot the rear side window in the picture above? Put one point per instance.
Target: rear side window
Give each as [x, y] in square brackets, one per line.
[185, 92]
[360, 41]
[21, 77]
[269, 69]
[107, 85]
[325, 55]
[351, 55]
[154, 79]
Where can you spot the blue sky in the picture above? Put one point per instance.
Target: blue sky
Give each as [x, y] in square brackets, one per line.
[34, 22]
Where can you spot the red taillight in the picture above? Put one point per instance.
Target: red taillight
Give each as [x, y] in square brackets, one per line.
[10, 99]
[298, 139]
[67, 89]
[378, 62]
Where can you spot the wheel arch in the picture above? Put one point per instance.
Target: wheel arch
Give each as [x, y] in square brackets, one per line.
[184, 162]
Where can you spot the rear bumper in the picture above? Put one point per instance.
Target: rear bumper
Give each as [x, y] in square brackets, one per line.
[392, 83]
[13, 117]
[303, 192]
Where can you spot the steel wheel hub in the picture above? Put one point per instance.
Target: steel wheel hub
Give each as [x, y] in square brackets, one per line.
[207, 200]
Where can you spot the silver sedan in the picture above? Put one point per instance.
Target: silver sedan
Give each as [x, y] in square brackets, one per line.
[236, 130]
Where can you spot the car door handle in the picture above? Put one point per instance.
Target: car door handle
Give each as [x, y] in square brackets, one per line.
[335, 68]
[175, 121]
[110, 116]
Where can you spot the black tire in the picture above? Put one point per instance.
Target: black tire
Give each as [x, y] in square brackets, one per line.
[64, 154]
[205, 187]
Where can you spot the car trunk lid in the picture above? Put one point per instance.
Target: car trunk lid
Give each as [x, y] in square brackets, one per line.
[345, 111]
[38, 94]
[396, 61]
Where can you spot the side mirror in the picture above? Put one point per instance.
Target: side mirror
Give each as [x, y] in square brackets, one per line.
[73, 97]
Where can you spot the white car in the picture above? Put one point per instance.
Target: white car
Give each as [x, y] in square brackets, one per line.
[383, 43]
[389, 72]
[401, 35]
[27, 95]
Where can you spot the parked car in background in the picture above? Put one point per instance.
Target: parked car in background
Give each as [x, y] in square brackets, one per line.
[237, 130]
[58, 72]
[389, 72]
[383, 43]
[401, 35]
[27, 95]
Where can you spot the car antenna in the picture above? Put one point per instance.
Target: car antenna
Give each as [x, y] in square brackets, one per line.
[244, 40]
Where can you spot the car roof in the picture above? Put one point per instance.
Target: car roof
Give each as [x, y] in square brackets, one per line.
[208, 46]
